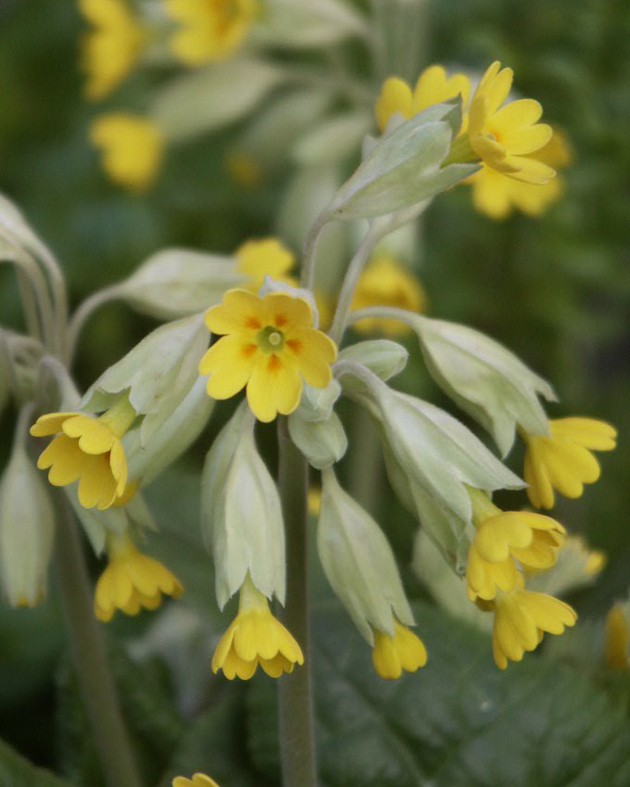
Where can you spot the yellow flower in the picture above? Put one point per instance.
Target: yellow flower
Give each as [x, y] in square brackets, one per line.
[385, 282]
[132, 149]
[210, 30]
[111, 49]
[433, 87]
[404, 652]
[498, 195]
[269, 346]
[198, 780]
[521, 618]
[563, 460]
[89, 450]
[268, 257]
[617, 639]
[502, 537]
[132, 581]
[504, 137]
[255, 638]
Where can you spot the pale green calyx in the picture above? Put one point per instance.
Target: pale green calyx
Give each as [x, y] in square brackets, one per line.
[359, 562]
[484, 378]
[157, 374]
[316, 429]
[241, 514]
[382, 357]
[304, 24]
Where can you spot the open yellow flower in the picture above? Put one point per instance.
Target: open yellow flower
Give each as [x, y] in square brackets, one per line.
[210, 30]
[617, 639]
[404, 652]
[385, 282]
[255, 637]
[503, 135]
[198, 780]
[89, 450]
[132, 149]
[270, 346]
[111, 49]
[267, 257]
[562, 460]
[132, 581]
[521, 618]
[433, 87]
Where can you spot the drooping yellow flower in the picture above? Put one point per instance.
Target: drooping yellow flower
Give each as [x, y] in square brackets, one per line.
[132, 581]
[111, 49]
[268, 345]
[404, 652]
[385, 282]
[198, 780]
[89, 450]
[503, 135]
[255, 637]
[210, 30]
[498, 195]
[132, 149]
[617, 639]
[433, 87]
[562, 460]
[267, 257]
[521, 618]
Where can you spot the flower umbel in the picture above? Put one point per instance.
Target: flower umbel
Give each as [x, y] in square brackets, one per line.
[269, 345]
[255, 637]
[563, 460]
[132, 581]
[132, 149]
[198, 780]
[404, 652]
[88, 450]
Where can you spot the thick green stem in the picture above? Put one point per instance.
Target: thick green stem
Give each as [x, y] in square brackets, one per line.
[88, 648]
[295, 691]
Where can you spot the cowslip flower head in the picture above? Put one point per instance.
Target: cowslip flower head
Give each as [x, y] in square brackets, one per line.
[132, 581]
[111, 48]
[563, 459]
[210, 30]
[617, 639]
[404, 652]
[502, 537]
[198, 780]
[503, 135]
[433, 87]
[132, 149]
[88, 450]
[385, 282]
[521, 618]
[267, 257]
[269, 346]
[255, 638]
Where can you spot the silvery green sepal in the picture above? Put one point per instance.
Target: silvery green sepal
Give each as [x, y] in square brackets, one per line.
[241, 514]
[485, 379]
[316, 429]
[20, 357]
[304, 24]
[16, 233]
[359, 562]
[174, 283]
[317, 404]
[333, 138]
[157, 373]
[403, 168]
[27, 525]
[382, 357]
[97, 524]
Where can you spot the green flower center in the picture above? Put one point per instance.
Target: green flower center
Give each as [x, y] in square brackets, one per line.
[270, 339]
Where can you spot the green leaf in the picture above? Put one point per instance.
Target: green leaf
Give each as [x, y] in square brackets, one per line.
[17, 771]
[459, 721]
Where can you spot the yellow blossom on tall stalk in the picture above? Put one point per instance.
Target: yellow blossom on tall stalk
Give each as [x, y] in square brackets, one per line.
[209, 30]
[88, 450]
[385, 282]
[111, 49]
[132, 581]
[562, 460]
[198, 780]
[255, 638]
[521, 618]
[267, 257]
[503, 537]
[433, 86]
[269, 346]
[132, 149]
[403, 652]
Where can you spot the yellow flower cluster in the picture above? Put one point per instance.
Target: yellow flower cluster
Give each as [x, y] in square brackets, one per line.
[403, 652]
